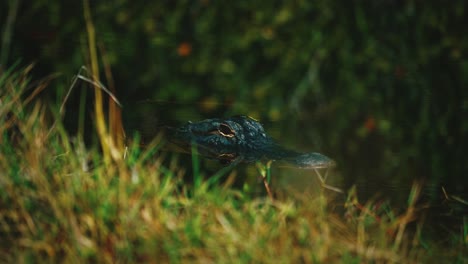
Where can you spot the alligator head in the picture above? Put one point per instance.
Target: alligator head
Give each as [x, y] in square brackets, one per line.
[240, 139]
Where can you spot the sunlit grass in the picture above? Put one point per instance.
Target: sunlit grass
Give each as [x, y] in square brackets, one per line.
[61, 202]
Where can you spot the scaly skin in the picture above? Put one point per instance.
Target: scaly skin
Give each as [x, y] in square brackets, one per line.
[241, 139]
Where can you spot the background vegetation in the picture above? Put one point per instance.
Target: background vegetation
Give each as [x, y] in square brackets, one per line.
[380, 87]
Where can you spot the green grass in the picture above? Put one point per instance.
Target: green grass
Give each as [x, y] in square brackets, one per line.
[62, 202]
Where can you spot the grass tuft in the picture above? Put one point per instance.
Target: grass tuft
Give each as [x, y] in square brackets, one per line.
[61, 202]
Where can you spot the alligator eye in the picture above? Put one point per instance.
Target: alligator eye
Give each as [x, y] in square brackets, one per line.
[226, 130]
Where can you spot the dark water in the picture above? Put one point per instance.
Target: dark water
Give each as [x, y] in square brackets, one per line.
[443, 208]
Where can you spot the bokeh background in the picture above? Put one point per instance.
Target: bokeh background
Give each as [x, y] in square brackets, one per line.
[379, 86]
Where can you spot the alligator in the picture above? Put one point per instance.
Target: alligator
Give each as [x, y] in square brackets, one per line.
[241, 139]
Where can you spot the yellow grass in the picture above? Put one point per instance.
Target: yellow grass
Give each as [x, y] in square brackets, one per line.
[61, 202]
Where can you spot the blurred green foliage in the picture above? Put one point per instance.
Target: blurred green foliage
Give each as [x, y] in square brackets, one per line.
[381, 86]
